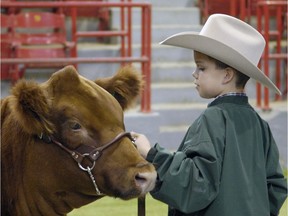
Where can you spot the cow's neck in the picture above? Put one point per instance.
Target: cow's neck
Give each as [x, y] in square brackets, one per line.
[30, 206]
[52, 204]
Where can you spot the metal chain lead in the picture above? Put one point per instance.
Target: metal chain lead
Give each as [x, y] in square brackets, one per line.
[93, 181]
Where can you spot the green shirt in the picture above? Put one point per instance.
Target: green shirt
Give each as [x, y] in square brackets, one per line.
[226, 165]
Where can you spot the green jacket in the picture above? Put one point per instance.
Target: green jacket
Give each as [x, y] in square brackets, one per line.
[226, 165]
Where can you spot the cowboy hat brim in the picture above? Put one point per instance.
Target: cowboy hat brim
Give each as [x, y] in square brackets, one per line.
[221, 52]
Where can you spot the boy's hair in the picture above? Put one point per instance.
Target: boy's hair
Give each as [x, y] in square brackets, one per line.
[241, 79]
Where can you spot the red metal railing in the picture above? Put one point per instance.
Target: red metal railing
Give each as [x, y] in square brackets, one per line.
[241, 6]
[264, 10]
[236, 8]
[124, 33]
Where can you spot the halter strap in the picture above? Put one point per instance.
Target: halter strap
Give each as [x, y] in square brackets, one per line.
[91, 152]
[83, 151]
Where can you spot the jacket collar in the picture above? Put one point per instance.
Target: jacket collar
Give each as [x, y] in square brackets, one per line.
[236, 99]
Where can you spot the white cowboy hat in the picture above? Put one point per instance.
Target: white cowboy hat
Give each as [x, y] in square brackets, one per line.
[230, 41]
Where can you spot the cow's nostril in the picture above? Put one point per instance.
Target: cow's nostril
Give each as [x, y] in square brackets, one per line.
[140, 178]
[146, 181]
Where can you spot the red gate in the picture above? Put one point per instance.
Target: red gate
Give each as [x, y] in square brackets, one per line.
[124, 33]
[265, 11]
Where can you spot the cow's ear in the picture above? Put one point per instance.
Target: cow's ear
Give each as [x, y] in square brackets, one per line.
[125, 85]
[63, 80]
[31, 107]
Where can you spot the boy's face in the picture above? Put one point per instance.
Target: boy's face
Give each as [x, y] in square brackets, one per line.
[208, 78]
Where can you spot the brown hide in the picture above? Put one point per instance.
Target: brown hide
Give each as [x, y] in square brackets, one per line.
[39, 177]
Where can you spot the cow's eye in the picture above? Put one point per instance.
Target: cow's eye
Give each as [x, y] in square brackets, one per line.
[75, 126]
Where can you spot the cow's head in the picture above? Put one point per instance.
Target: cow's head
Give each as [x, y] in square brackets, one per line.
[78, 114]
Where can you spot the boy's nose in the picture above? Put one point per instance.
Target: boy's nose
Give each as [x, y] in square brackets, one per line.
[195, 74]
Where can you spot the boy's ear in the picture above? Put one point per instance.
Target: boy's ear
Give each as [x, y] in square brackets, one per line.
[229, 75]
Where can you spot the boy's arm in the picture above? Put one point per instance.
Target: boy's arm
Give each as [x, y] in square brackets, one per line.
[276, 183]
[184, 183]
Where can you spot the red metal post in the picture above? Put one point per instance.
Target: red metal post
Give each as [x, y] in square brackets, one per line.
[74, 33]
[146, 52]
[242, 9]
[233, 9]
[206, 10]
[122, 26]
[248, 10]
[278, 49]
[266, 55]
[129, 31]
[258, 85]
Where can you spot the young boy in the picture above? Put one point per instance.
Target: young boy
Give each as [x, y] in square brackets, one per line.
[228, 162]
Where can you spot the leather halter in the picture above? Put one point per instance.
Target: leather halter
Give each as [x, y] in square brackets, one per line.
[92, 153]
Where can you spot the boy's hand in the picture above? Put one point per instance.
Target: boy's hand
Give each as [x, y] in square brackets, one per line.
[142, 143]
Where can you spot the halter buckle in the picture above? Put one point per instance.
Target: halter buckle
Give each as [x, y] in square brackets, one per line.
[86, 169]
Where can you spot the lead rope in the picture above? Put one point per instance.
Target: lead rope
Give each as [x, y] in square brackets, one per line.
[141, 206]
[141, 200]
[93, 181]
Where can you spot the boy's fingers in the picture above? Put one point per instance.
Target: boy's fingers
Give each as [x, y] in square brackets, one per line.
[134, 135]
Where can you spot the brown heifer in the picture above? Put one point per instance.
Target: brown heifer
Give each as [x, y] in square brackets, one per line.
[64, 144]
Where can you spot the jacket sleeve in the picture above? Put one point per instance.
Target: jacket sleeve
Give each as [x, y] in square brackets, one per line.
[188, 180]
[276, 183]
